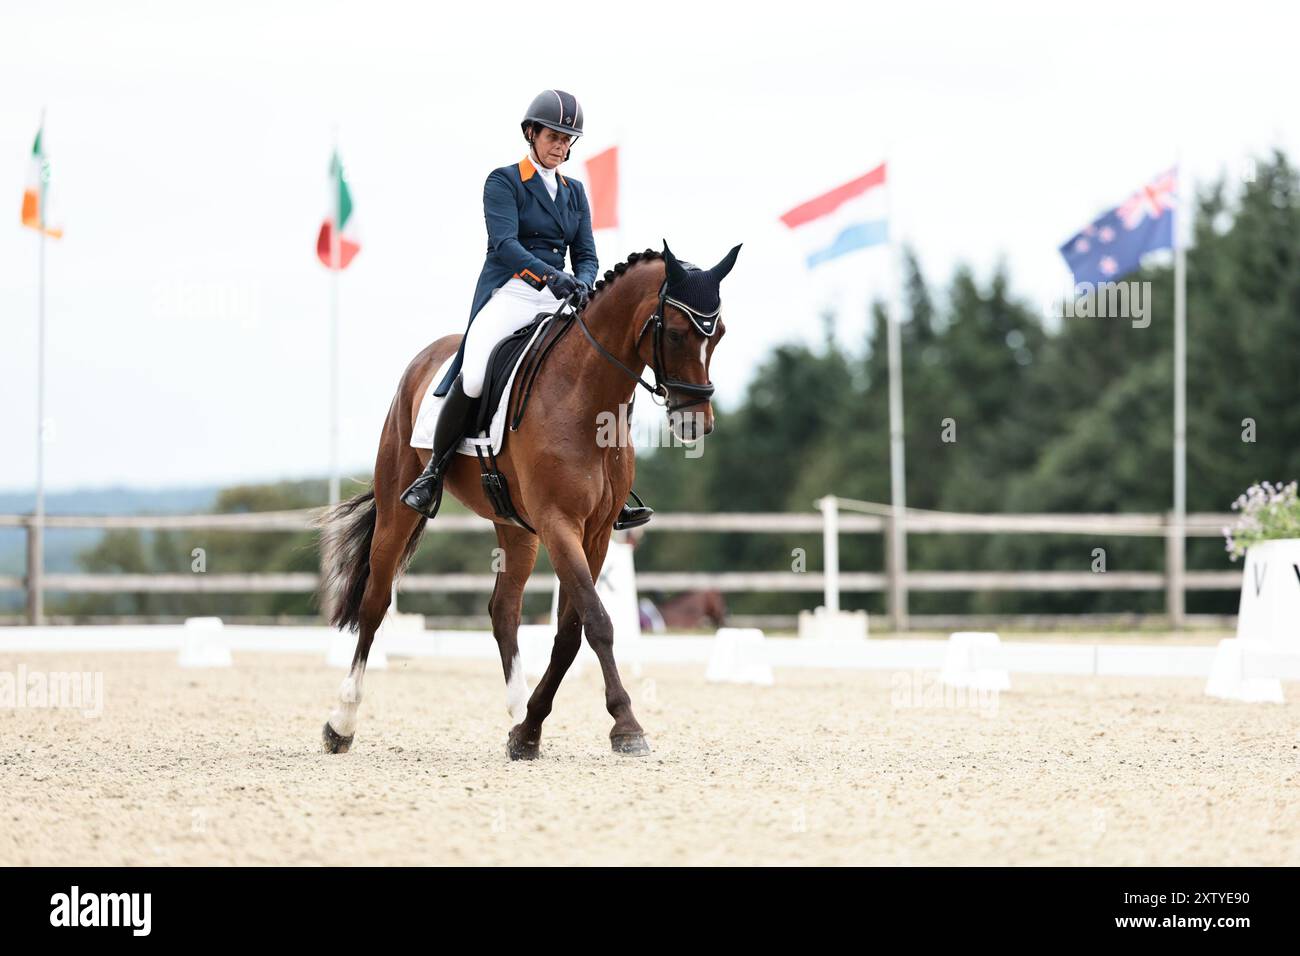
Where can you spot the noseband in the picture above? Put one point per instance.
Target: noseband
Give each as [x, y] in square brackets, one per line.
[706, 322]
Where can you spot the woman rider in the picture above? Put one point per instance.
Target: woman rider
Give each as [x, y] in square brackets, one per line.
[533, 213]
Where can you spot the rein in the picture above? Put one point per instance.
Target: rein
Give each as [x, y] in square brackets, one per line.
[663, 384]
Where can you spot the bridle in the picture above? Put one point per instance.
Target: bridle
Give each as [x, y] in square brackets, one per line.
[706, 322]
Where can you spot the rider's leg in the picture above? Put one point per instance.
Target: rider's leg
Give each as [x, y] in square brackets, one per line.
[510, 308]
[425, 493]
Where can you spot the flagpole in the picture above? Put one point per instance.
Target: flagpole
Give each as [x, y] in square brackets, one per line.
[336, 243]
[1177, 545]
[36, 546]
[897, 490]
[334, 372]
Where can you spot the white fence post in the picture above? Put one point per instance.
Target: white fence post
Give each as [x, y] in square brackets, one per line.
[830, 551]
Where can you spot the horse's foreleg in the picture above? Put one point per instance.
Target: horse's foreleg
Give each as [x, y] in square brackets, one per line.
[568, 639]
[577, 567]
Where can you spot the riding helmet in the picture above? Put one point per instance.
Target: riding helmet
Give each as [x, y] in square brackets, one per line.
[557, 110]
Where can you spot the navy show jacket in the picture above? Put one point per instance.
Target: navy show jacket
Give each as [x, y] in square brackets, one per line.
[528, 232]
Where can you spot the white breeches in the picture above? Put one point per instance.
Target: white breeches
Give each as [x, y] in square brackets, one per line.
[511, 308]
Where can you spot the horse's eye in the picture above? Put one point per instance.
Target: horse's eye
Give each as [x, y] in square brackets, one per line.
[675, 336]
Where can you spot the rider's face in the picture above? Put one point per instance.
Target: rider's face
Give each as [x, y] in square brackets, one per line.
[551, 147]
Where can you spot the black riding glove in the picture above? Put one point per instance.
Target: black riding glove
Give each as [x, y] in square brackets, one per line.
[564, 285]
[584, 293]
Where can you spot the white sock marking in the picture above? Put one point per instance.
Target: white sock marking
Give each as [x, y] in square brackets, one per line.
[517, 690]
[343, 718]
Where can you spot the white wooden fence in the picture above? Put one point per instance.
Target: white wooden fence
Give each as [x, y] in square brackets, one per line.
[831, 522]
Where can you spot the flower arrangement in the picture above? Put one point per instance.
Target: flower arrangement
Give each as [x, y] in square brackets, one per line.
[1267, 512]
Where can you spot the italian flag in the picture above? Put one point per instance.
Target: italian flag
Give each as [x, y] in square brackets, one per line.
[35, 194]
[337, 242]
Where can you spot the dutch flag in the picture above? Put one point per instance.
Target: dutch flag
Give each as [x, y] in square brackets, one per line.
[846, 219]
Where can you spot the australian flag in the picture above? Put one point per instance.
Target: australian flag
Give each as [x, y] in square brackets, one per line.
[1112, 246]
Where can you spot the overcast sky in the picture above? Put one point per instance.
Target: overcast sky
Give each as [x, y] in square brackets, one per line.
[188, 315]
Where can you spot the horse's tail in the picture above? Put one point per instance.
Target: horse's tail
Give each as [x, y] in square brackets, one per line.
[347, 529]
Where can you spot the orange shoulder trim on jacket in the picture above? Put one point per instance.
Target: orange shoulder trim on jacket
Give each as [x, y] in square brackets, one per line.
[526, 170]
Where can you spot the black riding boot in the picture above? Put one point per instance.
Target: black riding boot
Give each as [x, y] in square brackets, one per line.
[631, 517]
[425, 493]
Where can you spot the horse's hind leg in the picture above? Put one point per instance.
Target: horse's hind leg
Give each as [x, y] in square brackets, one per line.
[396, 531]
[519, 549]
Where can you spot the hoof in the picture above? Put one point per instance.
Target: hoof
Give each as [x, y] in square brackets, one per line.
[519, 749]
[335, 743]
[630, 745]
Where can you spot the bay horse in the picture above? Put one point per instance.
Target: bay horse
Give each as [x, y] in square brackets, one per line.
[694, 609]
[652, 310]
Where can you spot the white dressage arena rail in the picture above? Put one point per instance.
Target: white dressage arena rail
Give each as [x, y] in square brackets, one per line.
[1236, 667]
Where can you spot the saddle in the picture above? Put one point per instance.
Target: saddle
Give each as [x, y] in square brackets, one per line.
[527, 349]
[508, 353]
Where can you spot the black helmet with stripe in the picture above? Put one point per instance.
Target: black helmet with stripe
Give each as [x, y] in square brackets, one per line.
[556, 110]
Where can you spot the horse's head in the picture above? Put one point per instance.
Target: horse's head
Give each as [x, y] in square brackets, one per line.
[688, 326]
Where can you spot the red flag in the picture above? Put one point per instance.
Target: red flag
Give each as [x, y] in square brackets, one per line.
[602, 184]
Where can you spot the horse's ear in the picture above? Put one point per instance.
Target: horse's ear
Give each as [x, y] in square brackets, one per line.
[722, 268]
[674, 268]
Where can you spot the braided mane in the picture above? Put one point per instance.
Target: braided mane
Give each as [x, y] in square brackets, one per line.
[622, 267]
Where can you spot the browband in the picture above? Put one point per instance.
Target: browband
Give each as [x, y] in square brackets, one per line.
[706, 322]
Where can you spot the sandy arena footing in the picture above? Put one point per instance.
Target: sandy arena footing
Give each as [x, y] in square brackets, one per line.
[827, 767]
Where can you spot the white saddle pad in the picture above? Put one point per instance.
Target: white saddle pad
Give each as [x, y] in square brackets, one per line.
[426, 419]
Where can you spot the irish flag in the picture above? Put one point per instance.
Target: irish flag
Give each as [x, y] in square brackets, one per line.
[36, 193]
[337, 242]
[844, 220]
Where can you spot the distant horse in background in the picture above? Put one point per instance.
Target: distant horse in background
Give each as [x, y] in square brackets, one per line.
[694, 609]
[652, 310]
